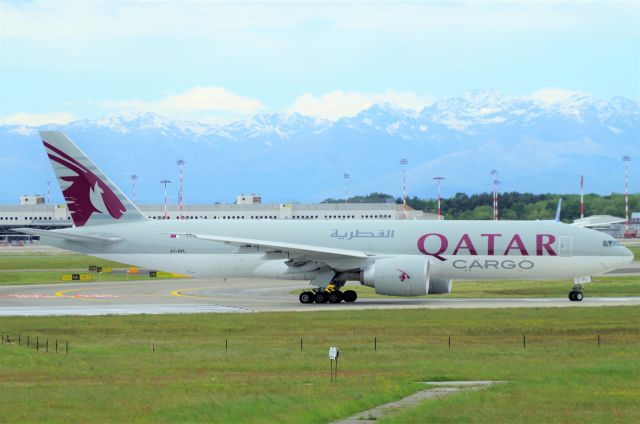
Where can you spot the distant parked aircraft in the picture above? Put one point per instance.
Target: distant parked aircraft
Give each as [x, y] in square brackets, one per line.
[397, 258]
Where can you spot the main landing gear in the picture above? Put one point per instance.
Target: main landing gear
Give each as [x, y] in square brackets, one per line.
[331, 294]
[575, 295]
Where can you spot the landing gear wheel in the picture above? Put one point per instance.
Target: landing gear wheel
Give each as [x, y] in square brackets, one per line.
[575, 296]
[349, 296]
[307, 297]
[335, 297]
[321, 297]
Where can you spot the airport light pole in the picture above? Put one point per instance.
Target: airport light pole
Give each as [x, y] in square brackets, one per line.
[625, 160]
[180, 164]
[581, 196]
[134, 178]
[404, 163]
[165, 182]
[494, 173]
[346, 187]
[438, 179]
[48, 193]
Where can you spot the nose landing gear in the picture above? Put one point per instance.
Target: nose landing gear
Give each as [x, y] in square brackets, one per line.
[575, 295]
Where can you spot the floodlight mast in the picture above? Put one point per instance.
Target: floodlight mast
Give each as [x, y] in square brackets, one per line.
[165, 182]
[346, 187]
[180, 164]
[134, 178]
[581, 196]
[438, 179]
[404, 163]
[494, 173]
[625, 160]
[48, 192]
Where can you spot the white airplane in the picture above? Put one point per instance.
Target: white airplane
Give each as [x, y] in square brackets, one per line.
[397, 258]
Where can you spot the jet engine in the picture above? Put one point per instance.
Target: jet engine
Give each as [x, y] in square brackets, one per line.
[403, 275]
[440, 285]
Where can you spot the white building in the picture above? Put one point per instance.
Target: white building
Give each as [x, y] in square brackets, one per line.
[32, 199]
[57, 216]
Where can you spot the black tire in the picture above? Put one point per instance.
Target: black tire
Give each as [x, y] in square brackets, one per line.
[335, 297]
[349, 296]
[307, 297]
[321, 297]
[578, 297]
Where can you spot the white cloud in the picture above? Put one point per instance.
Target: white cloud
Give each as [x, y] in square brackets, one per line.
[554, 95]
[337, 104]
[192, 103]
[36, 119]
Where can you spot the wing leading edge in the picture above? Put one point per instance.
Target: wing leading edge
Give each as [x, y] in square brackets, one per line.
[318, 252]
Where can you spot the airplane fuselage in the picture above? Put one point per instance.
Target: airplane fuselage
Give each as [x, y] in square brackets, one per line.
[528, 250]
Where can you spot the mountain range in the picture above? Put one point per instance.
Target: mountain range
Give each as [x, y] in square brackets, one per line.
[535, 145]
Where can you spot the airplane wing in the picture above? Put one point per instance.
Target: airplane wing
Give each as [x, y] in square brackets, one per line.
[81, 238]
[597, 221]
[317, 252]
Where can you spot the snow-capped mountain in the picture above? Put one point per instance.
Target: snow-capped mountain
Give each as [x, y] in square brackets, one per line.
[541, 143]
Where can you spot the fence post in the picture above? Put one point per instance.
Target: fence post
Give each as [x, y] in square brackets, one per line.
[375, 344]
[19, 339]
[37, 344]
[598, 340]
[47, 346]
[449, 341]
[56, 345]
[67, 347]
[300, 344]
[524, 341]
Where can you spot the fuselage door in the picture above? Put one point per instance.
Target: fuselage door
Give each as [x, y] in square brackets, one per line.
[566, 246]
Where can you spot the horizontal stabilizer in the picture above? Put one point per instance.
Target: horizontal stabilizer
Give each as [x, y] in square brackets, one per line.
[271, 246]
[79, 238]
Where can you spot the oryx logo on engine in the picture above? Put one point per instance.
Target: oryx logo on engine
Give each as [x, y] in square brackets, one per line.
[403, 275]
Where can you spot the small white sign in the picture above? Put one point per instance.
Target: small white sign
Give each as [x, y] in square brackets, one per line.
[333, 353]
[582, 280]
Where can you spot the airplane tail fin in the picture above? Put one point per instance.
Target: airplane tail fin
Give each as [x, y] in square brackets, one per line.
[558, 210]
[91, 197]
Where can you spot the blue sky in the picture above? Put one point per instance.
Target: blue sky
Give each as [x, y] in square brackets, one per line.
[216, 61]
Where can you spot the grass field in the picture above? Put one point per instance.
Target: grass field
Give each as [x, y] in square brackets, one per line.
[40, 261]
[111, 374]
[636, 252]
[16, 269]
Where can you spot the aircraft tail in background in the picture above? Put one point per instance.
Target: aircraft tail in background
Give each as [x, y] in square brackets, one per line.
[91, 197]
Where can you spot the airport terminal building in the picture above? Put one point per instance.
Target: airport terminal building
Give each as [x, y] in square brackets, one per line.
[34, 212]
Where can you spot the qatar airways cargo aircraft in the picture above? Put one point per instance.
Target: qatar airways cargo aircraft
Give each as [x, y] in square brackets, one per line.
[397, 258]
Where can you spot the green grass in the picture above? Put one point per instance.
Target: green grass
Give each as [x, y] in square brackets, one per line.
[111, 375]
[42, 268]
[68, 261]
[636, 252]
[52, 277]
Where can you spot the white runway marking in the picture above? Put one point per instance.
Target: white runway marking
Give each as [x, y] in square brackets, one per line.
[93, 310]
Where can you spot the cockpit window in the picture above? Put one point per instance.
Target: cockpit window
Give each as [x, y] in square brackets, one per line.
[610, 243]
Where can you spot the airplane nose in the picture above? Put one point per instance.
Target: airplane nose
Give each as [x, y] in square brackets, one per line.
[628, 254]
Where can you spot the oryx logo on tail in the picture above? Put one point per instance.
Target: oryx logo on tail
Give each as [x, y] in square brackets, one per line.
[84, 191]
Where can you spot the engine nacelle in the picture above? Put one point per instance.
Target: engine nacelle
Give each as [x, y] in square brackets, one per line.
[402, 275]
[440, 285]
